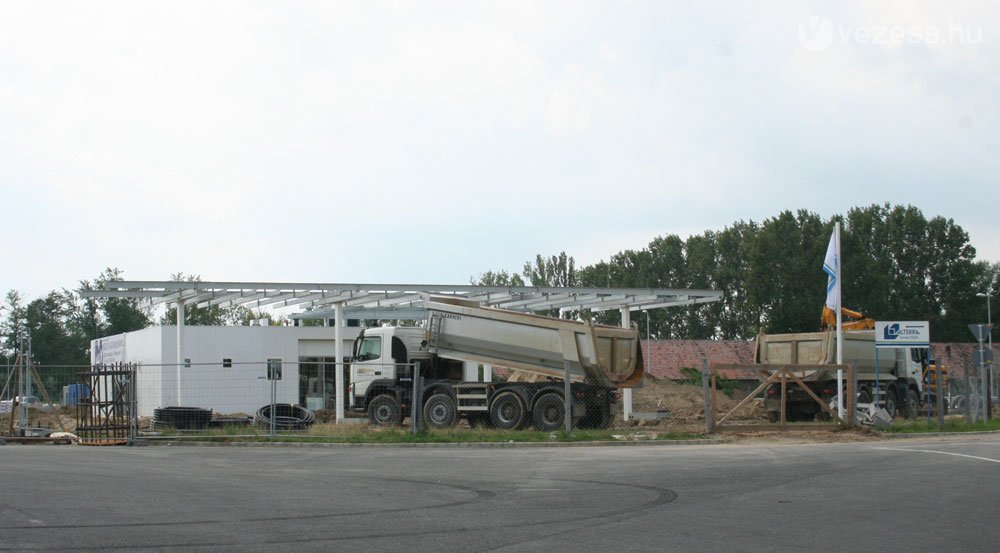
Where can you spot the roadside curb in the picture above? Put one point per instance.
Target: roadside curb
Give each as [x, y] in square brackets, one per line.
[938, 434]
[452, 445]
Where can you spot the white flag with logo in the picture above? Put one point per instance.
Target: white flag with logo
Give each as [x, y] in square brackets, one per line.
[831, 266]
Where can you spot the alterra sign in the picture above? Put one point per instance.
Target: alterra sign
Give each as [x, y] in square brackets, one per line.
[897, 334]
[108, 350]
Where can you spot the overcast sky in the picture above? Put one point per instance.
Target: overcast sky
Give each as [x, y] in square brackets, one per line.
[428, 142]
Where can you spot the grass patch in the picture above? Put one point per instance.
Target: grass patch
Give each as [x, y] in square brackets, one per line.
[950, 425]
[366, 434]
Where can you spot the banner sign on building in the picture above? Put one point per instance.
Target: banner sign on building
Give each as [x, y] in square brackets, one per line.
[108, 350]
[902, 334]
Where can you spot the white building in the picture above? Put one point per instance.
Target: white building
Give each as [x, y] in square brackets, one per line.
[225, 368]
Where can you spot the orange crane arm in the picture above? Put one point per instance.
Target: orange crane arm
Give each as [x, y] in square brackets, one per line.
[850, 320]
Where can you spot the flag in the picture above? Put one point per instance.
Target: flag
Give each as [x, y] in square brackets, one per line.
[831, 266]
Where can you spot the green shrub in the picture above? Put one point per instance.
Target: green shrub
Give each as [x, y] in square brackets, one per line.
[692, 376]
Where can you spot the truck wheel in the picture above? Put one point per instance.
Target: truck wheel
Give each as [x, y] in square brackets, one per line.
[549, 412]
[863, 396]
[507, 411]
[439, 411]
[912, 404]
[890, 402]
[773, 416]
[384, 411]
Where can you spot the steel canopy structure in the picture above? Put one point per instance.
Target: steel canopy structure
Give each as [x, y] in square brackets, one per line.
[371, 301]
[390, 301]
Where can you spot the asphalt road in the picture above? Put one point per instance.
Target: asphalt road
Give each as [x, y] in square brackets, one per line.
[903, 495]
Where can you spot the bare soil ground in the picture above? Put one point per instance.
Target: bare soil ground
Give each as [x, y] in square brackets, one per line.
[686, 406]
[43, 419]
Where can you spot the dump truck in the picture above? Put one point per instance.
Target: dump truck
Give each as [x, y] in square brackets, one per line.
[893, 378]
[600, 360]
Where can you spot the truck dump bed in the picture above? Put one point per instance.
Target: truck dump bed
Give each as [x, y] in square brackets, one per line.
[605, 355]
[820, 348]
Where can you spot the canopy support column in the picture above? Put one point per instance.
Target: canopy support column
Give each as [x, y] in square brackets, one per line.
[338, 349]
[627, 392]
[180, 350]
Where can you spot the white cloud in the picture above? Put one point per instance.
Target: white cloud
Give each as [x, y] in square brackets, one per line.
[288, 142]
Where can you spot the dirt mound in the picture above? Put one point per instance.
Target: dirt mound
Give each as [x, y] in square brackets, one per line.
[43, 419]
[685, 401]
[684, 405]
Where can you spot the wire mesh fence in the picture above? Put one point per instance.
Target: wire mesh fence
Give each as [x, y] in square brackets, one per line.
[35, 399]
[277, 398]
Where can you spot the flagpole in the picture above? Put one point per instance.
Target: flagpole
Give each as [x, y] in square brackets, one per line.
[840, 337]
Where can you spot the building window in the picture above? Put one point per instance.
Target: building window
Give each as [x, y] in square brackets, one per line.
[187, 362]
[227, 363]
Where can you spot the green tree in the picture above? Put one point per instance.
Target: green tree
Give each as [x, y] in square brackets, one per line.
[739, 314]
[13, 324]
[194, 315]
[119, 314]
[783, 264]
[498, 278]
[52, 343]
[899, 265]
[556, 270]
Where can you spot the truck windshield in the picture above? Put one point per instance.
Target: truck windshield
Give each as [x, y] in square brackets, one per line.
[369, 348]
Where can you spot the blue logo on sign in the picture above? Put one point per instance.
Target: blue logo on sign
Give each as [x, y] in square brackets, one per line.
[891, 332]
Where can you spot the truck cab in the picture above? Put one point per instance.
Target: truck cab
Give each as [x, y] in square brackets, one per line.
[384, 355]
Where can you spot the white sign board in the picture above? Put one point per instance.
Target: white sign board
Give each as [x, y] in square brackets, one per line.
[107, 350]
[902, 334]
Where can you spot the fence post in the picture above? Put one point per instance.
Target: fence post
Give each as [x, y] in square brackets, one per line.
[968, 397]
[984, 381]
[567, 400]
[939, 392]
[416, 425]
[274, 399]
[852, 397]
[709, 408]
[133, 419]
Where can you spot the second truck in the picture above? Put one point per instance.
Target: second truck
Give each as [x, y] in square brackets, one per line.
[901, 380]
[600, 359]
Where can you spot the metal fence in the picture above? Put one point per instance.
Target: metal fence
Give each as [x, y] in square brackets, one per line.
[276, 398]
[35, 399]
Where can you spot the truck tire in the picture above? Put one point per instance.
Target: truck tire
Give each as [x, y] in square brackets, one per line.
[507, 411]
[384, 411]
[773, 416]
[549, 412]
[863, 396]
[439, 411]
[912, 404]
[890, 401]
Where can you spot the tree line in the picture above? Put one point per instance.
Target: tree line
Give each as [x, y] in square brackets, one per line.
[897, 265]
[59, 326]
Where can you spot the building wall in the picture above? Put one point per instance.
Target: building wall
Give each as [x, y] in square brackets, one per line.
[207, 383]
